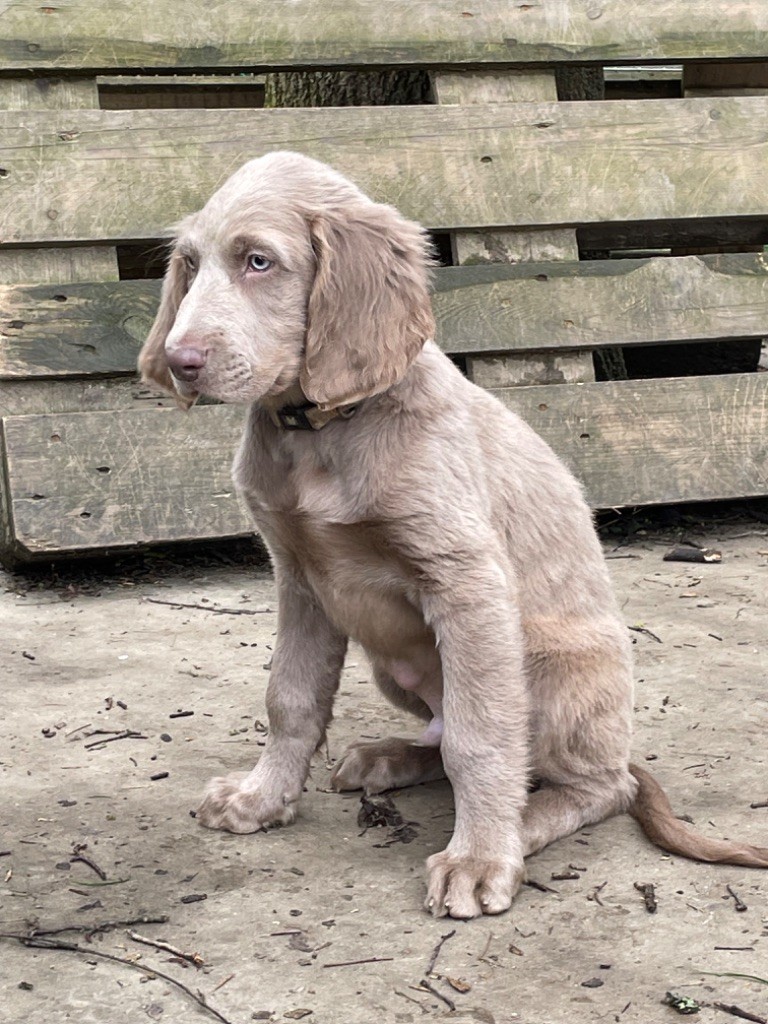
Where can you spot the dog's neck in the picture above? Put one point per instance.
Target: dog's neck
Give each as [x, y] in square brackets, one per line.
[309, 416]
[291, 410]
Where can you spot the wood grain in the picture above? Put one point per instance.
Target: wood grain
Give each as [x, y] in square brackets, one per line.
[218, 35]
[89, 481]
[655, 442]
[97, 329]
[84, 176]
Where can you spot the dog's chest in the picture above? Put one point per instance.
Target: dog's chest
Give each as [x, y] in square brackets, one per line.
[359, 581]
[318, 518]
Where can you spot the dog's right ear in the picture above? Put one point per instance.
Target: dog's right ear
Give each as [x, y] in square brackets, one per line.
[153, 365]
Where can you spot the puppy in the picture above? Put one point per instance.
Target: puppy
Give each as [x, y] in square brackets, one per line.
[405, 508]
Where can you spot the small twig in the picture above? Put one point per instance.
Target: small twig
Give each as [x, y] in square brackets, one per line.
[487, 946]
[78, 856]
[647, 632]
[128, 734]
[740, 904]
[733, 974]
[424, 984]
[193, 958]
[533, 884]
[72, 947]
[649, 895]
[368, 960]
[436, 951]
[761, 803]
[737, 949]
[736, 1011]
[95, 929]
[410, 999]
[206, 608]
[223, 983]
[79, 729]
[683, 553]
[99, 885]
[594, 894]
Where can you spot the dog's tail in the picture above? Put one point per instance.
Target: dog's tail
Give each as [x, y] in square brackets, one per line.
[652, 810]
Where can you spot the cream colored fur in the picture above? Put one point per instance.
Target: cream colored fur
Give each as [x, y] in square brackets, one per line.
[434, 527]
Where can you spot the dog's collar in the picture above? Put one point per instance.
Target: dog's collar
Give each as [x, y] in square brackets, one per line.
[309, 416]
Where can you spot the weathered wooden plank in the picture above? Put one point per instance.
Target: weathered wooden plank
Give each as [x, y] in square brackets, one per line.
[599, 303]
[654, 442]
[107, 175]
[90, 481]
[513, 85]
[58, 266]
[74, 330]
[48, 93]
[216, 34]
[28, 397]
[87, 481]
[514, 245]
[480, 310]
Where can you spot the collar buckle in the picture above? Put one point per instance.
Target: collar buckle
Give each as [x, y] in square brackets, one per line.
[309, 417]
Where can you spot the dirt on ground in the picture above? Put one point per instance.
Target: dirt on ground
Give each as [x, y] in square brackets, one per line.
[125, 690]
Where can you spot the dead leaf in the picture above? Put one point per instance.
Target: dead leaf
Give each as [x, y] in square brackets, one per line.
[458, 983]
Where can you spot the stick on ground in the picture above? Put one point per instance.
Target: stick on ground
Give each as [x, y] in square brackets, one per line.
[72, 947]
[436, 952]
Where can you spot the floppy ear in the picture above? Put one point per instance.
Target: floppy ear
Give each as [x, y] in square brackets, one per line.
[153, 365]
[369, 312]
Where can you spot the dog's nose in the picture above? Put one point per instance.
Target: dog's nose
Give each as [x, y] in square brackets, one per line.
[186, 363]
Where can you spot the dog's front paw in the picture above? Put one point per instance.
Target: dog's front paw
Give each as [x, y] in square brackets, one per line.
[232, 804]
[467, 887]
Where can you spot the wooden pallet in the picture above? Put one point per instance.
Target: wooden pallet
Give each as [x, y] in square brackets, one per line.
[522, 183]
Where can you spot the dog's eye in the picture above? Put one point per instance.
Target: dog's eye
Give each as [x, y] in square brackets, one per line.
[258, 263]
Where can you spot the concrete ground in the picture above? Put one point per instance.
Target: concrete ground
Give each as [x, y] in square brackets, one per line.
[275, 918]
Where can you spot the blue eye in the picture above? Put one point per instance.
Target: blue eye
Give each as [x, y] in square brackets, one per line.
[258, 263]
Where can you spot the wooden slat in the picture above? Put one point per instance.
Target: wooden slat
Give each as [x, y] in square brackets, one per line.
[108, 175]
[87, 481]
[655, 442]
[217, 34]
[593, 304]
[480, 310]
[27, 397]
[95, 480]
[48, 93]
[58, 266]
[513, 245]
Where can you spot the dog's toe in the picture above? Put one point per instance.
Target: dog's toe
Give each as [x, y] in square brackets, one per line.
[466, 887]
[231, 805]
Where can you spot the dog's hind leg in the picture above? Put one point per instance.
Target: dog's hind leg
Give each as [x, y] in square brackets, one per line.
[555, 811]
[394, 762]
[579, 672]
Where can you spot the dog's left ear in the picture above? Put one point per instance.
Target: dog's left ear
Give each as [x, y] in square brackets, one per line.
[369, 311]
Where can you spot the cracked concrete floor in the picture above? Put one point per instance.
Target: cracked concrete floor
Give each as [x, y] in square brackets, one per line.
[272, 914]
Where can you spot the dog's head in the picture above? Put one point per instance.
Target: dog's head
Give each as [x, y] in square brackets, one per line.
[290, 276]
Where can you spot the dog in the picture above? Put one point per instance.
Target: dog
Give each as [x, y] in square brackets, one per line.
[405, 508]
